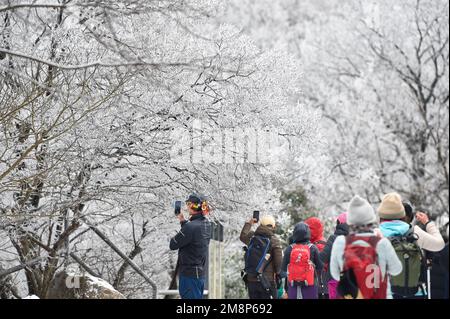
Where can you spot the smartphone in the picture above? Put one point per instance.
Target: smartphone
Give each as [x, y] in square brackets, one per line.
[256, 215]
[177, 208]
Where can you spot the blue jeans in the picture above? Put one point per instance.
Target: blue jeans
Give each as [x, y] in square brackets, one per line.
[191, 288]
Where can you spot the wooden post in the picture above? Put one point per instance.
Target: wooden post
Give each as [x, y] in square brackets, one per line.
[215, 262]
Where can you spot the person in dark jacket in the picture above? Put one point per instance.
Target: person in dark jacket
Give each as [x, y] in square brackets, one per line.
[439, 273]
[302, 235]
[273, 268]
[342, 229]
[445, 270]
[192, 243]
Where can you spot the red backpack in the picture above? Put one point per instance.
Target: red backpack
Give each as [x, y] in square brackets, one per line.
[300, 268]
[362, 269]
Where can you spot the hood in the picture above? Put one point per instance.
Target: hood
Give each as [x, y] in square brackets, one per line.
[301, 234]
[264, 231]
[394, 228]
[342, 230]
[316, 228]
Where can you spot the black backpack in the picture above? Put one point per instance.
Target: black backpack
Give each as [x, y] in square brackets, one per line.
[255, 255]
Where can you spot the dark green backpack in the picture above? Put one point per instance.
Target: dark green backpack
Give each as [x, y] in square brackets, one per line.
[412, 259]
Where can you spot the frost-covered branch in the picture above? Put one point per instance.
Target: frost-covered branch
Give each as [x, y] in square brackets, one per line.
[97, 64]
[12, 7]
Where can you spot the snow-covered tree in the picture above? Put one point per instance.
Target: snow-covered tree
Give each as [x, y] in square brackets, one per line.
[93, 98]
[378, 72]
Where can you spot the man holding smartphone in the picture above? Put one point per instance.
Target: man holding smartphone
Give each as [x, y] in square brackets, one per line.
[192, 243]
[262, 283]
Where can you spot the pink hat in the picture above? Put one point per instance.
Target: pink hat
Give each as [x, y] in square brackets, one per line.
[342, 218]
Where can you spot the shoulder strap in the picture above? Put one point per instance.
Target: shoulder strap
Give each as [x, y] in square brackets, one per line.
[258, 237]
[349, 239]
[266, 251]
[374, 240]
[410, 231]
[371, 240]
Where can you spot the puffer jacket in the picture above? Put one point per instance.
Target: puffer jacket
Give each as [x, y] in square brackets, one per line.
[192, 241]
[274, 266]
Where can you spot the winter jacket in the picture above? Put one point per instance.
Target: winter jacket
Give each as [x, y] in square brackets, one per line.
[439, 274]
[274, 267]
[444, 266]
[192, 241]
[301, 235]
[316, 229]
[325, 254]
[430, 239]
[444, 258]
[387, 258]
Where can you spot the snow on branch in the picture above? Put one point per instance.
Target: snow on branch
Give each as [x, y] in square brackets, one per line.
[32, 6]
[97, 63]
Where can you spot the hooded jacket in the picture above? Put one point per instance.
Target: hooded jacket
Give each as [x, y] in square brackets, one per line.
[274, 267]
[316, 228]
[301, 235]
[430, 239]
[192, 242]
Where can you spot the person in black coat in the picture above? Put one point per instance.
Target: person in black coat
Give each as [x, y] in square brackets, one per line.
[192, 243]
[444, 266]
[342, 229]
[439, 273]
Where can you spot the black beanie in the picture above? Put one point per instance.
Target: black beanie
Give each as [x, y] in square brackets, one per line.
[408, 211]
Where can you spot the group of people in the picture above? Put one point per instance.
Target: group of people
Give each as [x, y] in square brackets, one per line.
[390, 253]
[371, 255]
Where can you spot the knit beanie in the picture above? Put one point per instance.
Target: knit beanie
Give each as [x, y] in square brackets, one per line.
[391, 207]
[360, 212]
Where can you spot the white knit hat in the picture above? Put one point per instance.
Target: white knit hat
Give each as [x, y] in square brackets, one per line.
[360, 212]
